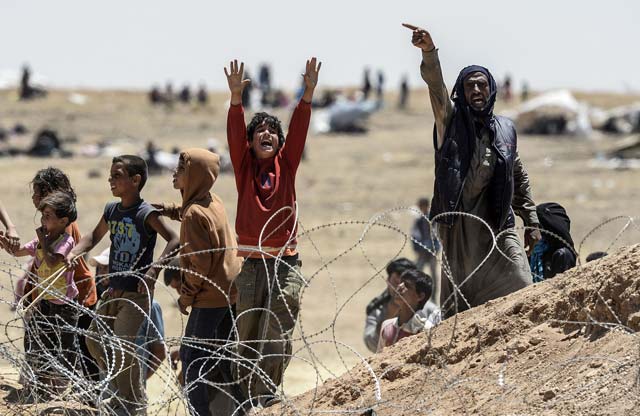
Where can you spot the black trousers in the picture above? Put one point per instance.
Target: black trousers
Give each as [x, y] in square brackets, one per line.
[208, 329]
[51, 341]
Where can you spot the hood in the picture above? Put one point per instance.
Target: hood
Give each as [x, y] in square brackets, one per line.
[201, 171]
[554, 218]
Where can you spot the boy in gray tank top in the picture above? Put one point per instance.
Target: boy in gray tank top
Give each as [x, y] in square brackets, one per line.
[132, 225]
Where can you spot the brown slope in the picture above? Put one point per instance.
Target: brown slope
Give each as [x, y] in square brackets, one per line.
[564, 346]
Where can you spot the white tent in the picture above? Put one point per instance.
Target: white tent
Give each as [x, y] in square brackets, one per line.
[556, 112]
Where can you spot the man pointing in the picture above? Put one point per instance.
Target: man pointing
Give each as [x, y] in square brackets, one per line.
[477, 172]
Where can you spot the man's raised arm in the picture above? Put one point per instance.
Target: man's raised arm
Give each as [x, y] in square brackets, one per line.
[432, 75]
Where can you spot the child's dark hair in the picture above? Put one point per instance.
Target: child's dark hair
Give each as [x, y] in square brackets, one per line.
[61, 203]
[134, 165]
[52, 179]
[421, 281]
[171, 274]
[272, 121]
[399, 266]
[396, 266]
[424, 202]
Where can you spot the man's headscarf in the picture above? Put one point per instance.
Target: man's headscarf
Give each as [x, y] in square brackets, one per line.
[460, 98]
[465, 115]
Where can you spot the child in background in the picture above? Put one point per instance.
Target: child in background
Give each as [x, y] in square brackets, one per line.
[133, 225]
[410, 296]
[383, 307]
[52, 325]
[209, 263]
[265, 167]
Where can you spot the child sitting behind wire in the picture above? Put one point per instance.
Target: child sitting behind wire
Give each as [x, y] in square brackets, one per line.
[410, 296]
[54, 313]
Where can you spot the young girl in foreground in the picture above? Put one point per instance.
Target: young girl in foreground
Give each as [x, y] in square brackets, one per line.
[44, 182]
[51, 329]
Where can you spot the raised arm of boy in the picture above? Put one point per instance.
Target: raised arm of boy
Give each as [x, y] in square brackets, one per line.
[299, 124]
[236, 128]
[310, 79]
[235, 80]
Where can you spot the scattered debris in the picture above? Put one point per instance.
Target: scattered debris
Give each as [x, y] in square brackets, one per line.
[622, 120]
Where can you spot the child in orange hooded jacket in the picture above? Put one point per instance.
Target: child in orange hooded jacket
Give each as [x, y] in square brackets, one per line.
[209, 263]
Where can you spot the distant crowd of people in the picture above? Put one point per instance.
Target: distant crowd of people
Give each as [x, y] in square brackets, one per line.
[168, 97]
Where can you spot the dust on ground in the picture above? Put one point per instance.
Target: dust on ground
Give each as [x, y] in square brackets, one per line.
[565, 346]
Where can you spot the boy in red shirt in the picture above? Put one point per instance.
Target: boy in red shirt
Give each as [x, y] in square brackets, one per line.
[265, 165]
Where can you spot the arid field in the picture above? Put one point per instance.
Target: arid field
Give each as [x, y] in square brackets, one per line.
[345, 182]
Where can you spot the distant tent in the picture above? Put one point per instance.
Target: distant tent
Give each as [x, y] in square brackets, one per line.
[345, 117]
[553, 113]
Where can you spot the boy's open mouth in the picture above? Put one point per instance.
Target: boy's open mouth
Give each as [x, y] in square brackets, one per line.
[265, 144]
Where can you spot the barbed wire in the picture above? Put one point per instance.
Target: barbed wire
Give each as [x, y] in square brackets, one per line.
[53, 376]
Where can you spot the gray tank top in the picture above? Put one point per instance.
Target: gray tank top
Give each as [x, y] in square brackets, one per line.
[132, 243]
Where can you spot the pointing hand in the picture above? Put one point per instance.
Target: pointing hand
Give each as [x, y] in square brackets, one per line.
[420, 38]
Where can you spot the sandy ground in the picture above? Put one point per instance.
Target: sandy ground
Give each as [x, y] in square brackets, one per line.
[566, 346]
[345, 182]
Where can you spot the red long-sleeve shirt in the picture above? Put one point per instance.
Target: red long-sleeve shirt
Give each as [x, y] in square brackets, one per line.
[266, 186]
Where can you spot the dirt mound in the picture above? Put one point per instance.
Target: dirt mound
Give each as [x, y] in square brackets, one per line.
[565, 346]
